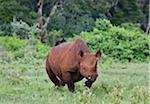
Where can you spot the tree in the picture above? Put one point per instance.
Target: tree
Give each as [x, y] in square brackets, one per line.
[128, 11]
[10, 9]
[40, 21]
[112, 10]
[58, 4]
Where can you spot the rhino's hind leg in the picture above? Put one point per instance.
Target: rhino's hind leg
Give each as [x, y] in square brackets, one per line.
[51, 75]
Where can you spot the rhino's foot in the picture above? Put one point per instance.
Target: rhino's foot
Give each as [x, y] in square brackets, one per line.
[61, 83]
[71, 87]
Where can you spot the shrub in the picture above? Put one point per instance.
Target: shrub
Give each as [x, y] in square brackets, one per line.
[18, 27]
[53, 36]
[24, 48]
[131, 26]
[12, 43]
[118, 42]
[41, 50]
[22, 29]
[5, 30]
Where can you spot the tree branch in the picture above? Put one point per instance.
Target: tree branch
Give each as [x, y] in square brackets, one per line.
[50, 16]
[53, 12]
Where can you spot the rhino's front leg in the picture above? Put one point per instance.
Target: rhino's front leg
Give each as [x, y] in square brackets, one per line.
[71, 86]
[68, 79]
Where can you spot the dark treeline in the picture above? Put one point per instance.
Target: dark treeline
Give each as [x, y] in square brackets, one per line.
[76, 15]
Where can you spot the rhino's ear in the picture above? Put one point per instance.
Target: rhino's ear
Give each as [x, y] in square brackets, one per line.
[81, 53]
[98, 54]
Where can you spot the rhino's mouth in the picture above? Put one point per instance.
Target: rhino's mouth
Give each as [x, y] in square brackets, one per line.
[91, 78]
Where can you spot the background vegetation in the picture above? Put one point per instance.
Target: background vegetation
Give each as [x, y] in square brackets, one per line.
[117, 27]
[76, 16]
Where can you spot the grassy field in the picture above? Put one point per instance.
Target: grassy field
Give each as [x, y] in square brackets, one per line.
[26, 82]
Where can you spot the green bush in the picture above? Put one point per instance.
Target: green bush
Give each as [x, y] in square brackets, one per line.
[12, 43]
[24, 48]
[5, 30]
[132, 26]
[18, 27]
[22, 29]
[118, 42]
[41, 50]
[53, 36]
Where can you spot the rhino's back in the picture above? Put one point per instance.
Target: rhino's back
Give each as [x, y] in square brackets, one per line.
[58, 50]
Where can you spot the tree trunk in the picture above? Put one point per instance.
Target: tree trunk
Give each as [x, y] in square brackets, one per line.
[40, 21]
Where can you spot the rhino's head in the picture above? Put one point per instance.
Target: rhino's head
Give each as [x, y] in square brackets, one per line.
[88, 65]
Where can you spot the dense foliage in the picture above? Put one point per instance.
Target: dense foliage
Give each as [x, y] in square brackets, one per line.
[125, 42]
[118, 42]
[22, 49]
[134, 11]
[77, 15]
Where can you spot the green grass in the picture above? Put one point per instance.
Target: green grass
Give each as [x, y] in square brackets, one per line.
[26, 82]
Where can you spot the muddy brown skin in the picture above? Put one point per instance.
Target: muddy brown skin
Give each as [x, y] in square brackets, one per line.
[70, 62]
